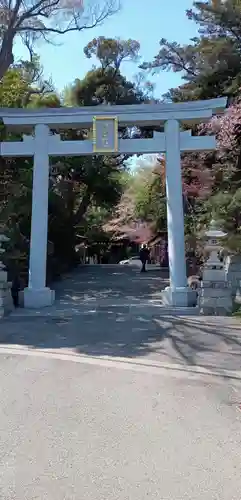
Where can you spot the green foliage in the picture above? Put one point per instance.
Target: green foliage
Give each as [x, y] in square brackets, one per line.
[105, 84]
[92, 225]
[225, 207]
[44, 101]
[13, 89]
[83, 191]
[149, 195]
[111, 52]
[210, 63]
[108, 87]
[142, 207]
[89, 194]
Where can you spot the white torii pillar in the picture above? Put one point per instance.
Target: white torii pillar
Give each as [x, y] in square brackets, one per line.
[178, 293]
[37, 294]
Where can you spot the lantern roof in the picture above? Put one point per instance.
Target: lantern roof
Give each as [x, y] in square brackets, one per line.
[214, 230]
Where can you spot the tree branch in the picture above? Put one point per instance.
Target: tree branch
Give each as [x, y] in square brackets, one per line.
[63, 18]
[82, 207]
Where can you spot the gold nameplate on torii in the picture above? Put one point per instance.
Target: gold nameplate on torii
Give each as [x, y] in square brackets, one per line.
[105, 134]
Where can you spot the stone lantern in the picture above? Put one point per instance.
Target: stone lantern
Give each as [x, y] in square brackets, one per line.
[6, 304]
[215, 296]
[214, 236]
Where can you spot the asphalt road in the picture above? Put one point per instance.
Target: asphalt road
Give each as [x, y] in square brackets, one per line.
[72, 430]
[102, 397]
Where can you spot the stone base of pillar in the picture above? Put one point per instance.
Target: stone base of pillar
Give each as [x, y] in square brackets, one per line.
[179, 297]
[35, 299]
[6, 301]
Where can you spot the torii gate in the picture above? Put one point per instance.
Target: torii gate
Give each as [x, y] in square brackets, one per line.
[105, 120]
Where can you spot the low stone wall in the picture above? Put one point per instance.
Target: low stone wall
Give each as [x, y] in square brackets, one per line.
[233, 270]
[215, 298]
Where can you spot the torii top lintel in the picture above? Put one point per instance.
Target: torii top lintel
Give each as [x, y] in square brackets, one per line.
[142, 114]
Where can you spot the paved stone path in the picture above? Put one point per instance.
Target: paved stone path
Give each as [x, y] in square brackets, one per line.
[116, 312]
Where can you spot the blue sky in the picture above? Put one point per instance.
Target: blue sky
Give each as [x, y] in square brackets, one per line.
[141, 20]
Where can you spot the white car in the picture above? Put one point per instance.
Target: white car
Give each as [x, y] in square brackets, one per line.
[133, 261]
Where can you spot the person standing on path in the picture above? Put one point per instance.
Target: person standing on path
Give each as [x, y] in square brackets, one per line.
[15, 289]
[144, 256]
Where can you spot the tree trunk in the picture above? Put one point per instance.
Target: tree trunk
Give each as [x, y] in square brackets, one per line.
[6, 53]
[83, 207]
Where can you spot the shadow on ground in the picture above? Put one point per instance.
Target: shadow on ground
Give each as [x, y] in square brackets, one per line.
[111, 312]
